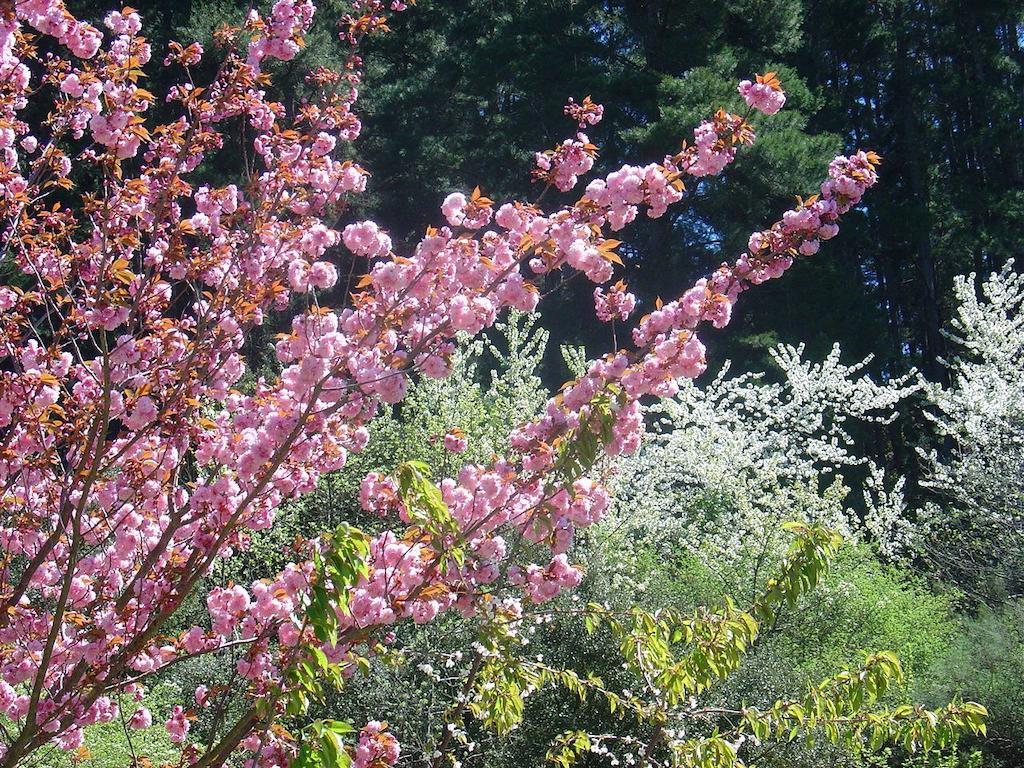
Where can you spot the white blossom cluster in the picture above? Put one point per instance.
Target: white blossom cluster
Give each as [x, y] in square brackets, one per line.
[894, 529]
[982, 411]
[729, 461]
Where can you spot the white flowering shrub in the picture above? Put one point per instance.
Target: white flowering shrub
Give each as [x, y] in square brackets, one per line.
[894, 529]
[729, 461]
[984, 404]
[977, 528]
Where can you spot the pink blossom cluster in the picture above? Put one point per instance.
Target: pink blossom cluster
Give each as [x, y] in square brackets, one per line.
[471, 214]
[765, 95]
[177, 724]
[584, 113]
[128, 23]
[622, 191]
[544, 583]
[366, 239]
[141, 719]
[563, 165]
[770, 253]
[376, 747]
[396, 587]
[108, 110]
[378, 494]
[615, 304]
[51, 18]
[278, 37]
[455, 441]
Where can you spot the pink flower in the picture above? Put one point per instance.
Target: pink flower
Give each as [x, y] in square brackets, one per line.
[375, 748]
[563, 165]
[323, 145]
[177, 725]
[455, 441]
[141, 719]
[585, 112]
[366, 239]
[142, 414]
[616, 303]
[453, 208]
[765, 95]
[202, 695]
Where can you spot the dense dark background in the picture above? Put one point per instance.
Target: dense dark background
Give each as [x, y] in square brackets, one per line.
[464, 91]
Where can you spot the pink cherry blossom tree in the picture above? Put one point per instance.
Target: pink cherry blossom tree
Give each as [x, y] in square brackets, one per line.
[131, 462]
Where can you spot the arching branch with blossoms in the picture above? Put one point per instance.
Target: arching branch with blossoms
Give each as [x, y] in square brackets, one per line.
[130, 462]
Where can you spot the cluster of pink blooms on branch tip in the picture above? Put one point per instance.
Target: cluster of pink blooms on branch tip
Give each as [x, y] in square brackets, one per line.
[131, 461]
[615, 303]
[765, 94]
